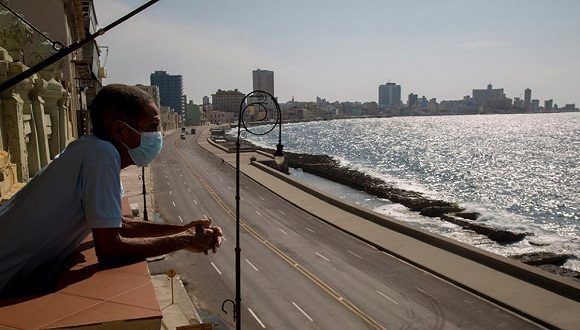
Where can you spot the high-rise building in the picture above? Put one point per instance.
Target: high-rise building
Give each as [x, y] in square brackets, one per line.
[527, 99]
[170, 89]
[389, 95]
[412, 100]
[548, 105]
[263, 80]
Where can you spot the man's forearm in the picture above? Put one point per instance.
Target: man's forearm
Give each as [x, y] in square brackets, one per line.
[135, 228]
[122, 247]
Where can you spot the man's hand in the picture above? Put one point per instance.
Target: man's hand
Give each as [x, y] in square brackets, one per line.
[203, 222]
[204, 236]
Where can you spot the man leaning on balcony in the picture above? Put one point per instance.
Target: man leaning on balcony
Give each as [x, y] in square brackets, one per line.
[79, 192]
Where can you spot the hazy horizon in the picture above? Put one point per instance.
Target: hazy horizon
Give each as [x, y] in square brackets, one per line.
[343, 50]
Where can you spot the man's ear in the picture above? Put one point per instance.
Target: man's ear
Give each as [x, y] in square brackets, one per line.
[117, 130]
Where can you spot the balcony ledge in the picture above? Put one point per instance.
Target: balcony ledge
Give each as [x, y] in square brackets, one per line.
[89, 296]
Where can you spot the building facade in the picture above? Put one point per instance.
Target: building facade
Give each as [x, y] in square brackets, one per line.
[153, 91]
[192, 114]
[170, 89]
[491, 98]
[263, 80]
[219, 117]
[227, 101]
[528, 99]
[412, 100]
[43, 113]
[389, 95]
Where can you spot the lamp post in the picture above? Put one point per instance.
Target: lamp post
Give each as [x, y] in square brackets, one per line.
[145, 218]
[259, 102]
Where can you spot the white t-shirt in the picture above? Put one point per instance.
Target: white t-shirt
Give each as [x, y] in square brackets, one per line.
[48, 219]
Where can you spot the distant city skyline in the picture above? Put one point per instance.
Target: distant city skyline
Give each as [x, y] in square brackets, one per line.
[343, 50]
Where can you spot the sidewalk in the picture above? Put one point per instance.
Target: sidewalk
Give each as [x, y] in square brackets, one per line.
[177, 313]
[181, 312]
[133, 189]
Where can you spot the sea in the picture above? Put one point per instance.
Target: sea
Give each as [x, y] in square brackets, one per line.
[520, 171]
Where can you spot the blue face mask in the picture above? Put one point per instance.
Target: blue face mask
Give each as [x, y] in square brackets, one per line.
[148, 149]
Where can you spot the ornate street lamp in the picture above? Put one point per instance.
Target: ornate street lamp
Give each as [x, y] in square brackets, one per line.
[257, 105]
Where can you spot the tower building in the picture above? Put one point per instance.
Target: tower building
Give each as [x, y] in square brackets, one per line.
[170, 90]
[263, 80]
[527, 99]
[389, 95]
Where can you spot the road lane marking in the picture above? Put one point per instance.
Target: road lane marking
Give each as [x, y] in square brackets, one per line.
[323, 257]
[180, 218]
[258, 213]
[224, 238]
[423, 291]
[188, 190]
[217, 269]
[280, 229]
[170, 192]
[166, 176]
[281, 211]
[387, 297]
[257, 319]
[195, 202]
[185, 183]
[248, 261]
[173, 203]
[303, 312]
[262, 198]
[230, 188]
[310, 230]
[354, 254]
[242, 198]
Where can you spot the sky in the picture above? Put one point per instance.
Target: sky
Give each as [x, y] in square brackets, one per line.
[342, 50]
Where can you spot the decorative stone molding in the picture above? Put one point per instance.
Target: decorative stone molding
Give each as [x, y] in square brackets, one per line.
[14, 34]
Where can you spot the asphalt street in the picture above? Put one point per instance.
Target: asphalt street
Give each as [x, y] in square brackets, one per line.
[297, 271]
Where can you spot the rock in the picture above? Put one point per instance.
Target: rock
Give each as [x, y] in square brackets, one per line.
[561, 271]
[501, 236]
[542, 258]
[538, 243]
[468, 215]
[506, 236]
[437, 211]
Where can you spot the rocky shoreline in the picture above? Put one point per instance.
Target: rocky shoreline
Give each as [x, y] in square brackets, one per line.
[326, 167]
